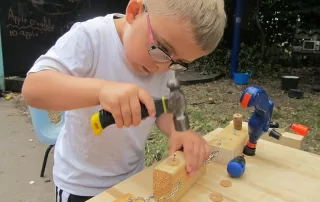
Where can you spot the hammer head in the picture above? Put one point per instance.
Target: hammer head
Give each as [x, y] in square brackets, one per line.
[173, 84]
[177, 106]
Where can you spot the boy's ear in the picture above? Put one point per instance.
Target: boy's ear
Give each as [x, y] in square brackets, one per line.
[134, 8]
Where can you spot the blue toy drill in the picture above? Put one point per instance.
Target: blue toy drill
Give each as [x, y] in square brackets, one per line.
[236, 166]
[260, 120]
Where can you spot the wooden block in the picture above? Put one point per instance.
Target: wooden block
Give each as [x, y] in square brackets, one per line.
[288, 139]
[208, 137]
[232, 143]
[125, 198]
[167, 175]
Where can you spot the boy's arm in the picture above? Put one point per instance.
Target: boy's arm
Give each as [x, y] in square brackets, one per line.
[57, 91]
[165, 124]
[57, 80]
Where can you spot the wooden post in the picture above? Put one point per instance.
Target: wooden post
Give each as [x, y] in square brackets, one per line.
[168, 175]
[2, 81]
[232, 142]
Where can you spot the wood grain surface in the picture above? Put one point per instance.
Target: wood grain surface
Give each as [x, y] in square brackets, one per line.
[276, 174]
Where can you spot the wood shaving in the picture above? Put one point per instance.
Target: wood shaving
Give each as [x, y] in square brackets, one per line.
[226, 183]
[216, 197]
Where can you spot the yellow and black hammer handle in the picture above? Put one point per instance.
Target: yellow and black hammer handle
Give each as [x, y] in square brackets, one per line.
[102, 119]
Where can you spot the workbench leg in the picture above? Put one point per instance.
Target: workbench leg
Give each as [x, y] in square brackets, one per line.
[2, 81]
[44, 163]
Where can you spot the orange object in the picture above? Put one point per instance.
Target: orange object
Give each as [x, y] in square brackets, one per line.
[300, 129]
[251, 145]
[245, 100]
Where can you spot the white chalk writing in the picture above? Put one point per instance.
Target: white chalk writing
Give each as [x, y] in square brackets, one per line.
[28, 28]
[27, 34]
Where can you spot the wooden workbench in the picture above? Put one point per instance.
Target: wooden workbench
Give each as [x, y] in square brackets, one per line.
[277, 173]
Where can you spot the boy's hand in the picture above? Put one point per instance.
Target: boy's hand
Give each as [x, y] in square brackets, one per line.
[123, 101]
[196, 149]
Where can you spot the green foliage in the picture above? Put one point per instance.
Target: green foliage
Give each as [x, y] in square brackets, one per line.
[156, 147]
[276, 58]
[265, 51]
[216, 62]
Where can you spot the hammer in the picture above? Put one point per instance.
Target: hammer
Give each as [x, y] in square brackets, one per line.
[176, 104]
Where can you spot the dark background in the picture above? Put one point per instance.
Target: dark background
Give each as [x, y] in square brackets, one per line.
[265, 25]
[30, 27]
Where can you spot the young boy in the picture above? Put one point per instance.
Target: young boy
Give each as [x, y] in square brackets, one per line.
[113, 62]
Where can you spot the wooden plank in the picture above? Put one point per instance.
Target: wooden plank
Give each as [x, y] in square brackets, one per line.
[127, 197]
[275, 173]
[232, 143]
[168, 174]
[288, 139]
[140, 184]
[268, 177]
[104, 196]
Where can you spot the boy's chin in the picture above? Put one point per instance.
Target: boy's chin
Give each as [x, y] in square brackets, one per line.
[139, 68]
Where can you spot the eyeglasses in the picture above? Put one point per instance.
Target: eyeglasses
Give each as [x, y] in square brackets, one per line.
[157, 53]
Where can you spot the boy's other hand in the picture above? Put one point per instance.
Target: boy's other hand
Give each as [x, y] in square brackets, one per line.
[196, 149]
[123, 101]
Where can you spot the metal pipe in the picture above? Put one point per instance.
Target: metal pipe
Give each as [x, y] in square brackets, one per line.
[236, 38]
[2, 82]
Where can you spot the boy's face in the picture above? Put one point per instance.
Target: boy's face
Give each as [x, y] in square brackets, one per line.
[156, 43]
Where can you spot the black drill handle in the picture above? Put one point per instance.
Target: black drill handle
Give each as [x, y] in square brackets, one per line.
[273, 133]
[107, 119]
[273, 125]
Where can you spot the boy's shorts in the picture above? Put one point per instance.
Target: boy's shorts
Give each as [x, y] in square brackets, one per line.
[63, 196]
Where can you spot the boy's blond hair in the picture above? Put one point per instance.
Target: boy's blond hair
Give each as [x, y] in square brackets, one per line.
[206, 17]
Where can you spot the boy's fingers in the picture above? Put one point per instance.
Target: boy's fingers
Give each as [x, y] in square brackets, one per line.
[202, 155]
[116, 113]
[125, 111]
[174, 146]
[208, 150]
[197, 154]
[146, 99]
[135, 110]
[189, 155]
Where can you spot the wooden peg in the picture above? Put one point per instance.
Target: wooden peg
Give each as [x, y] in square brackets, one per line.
[237, 121]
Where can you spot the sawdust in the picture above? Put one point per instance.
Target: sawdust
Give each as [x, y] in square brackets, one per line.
[216, 197]
[226, 183]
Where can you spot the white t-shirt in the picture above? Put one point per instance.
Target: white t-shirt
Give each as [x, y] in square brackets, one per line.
[85, 164]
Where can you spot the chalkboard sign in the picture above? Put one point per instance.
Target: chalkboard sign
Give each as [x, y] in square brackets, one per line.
[30, 27]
